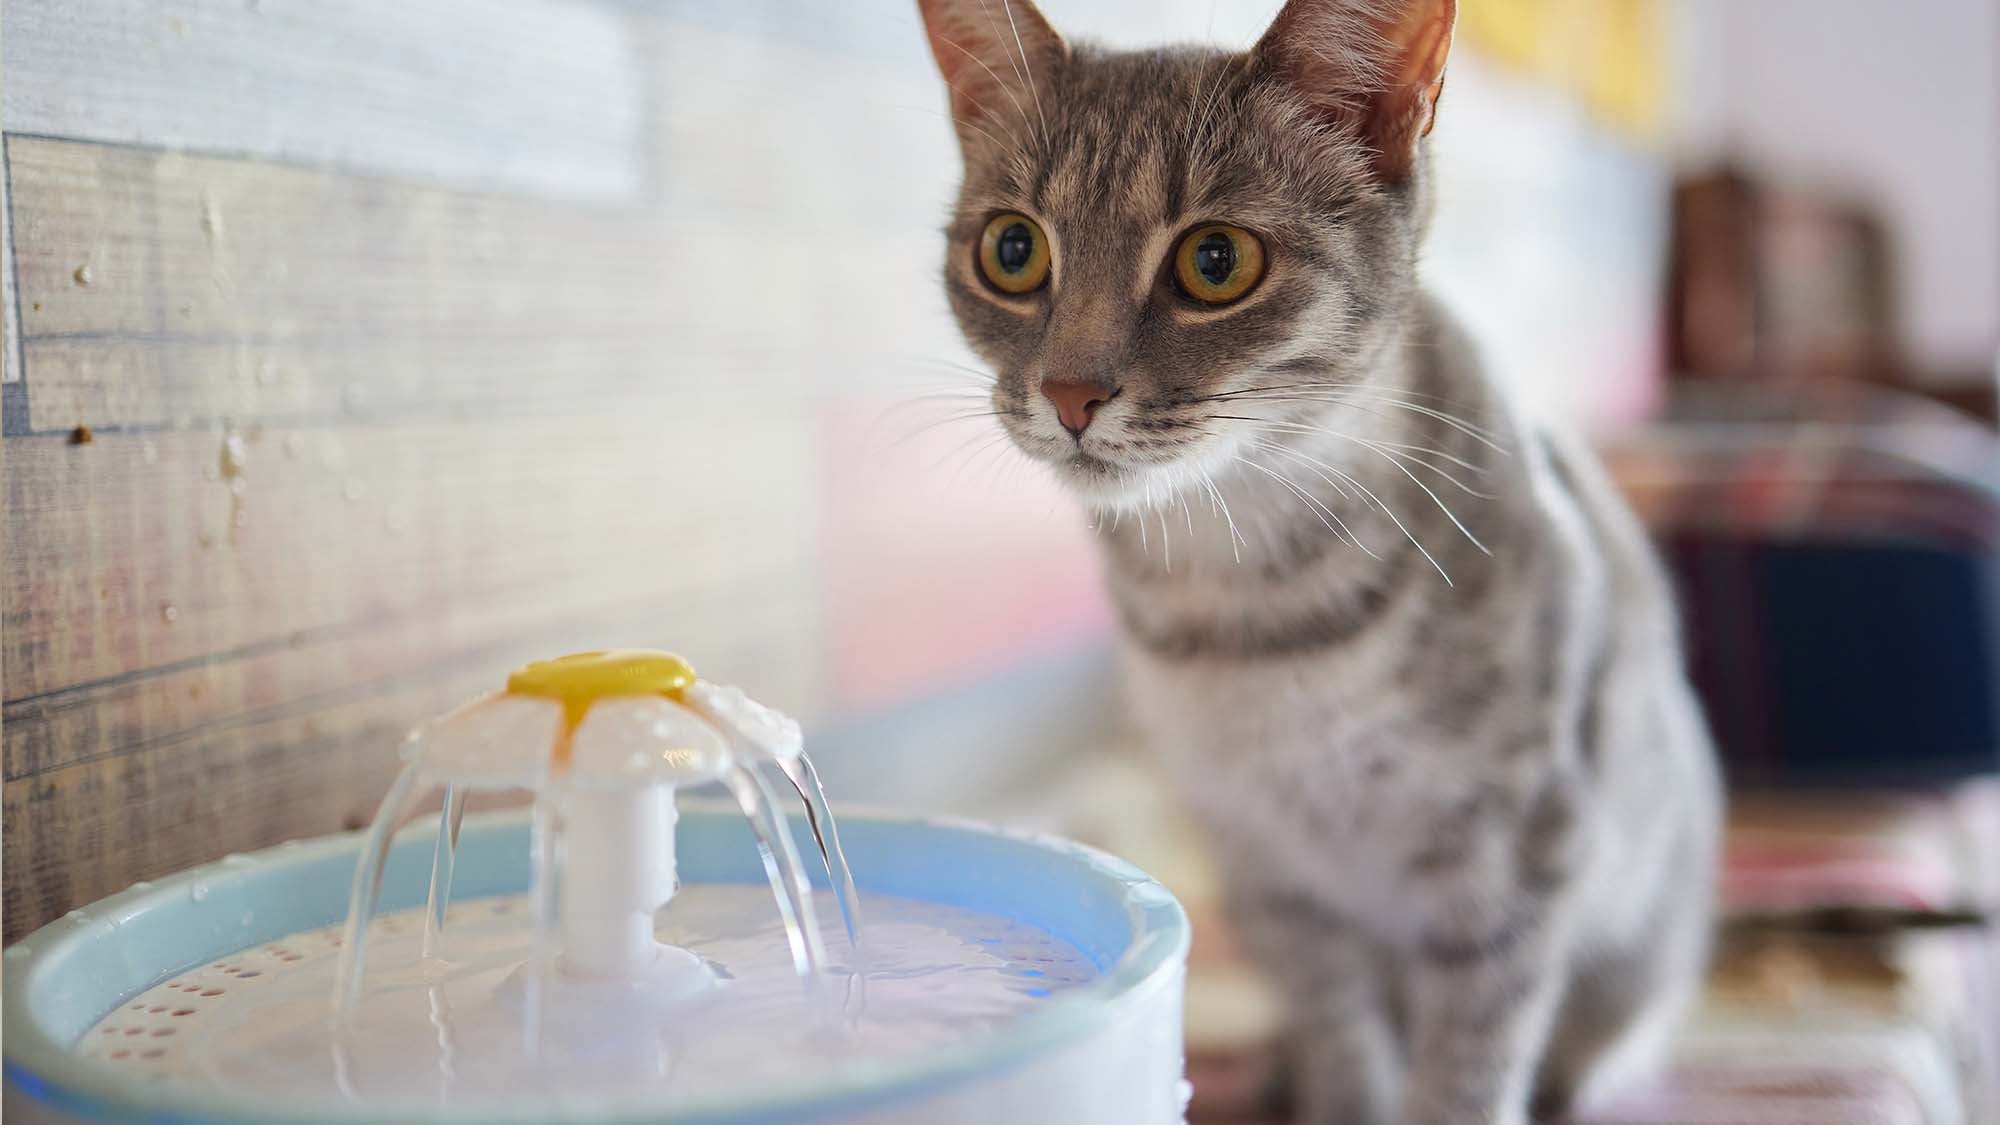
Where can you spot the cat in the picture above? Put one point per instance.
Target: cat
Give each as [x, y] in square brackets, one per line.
[1407, 653]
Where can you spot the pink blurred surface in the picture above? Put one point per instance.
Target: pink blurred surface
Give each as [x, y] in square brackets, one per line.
[945, 555]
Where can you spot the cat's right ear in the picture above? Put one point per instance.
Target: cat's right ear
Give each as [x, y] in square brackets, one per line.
[989, 52]
[1375, 67]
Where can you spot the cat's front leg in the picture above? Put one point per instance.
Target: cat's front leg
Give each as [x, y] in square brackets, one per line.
[1346, 1064]
[1481, 996]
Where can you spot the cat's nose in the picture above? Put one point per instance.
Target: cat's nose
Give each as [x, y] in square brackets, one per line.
[1076, 403]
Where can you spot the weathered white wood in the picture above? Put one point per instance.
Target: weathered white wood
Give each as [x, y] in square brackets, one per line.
[10, 340]
[529, 96]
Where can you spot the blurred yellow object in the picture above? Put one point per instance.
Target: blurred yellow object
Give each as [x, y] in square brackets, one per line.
[1610, 54]
[581, 679]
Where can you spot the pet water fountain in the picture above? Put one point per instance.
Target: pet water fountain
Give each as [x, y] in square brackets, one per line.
[520, 966]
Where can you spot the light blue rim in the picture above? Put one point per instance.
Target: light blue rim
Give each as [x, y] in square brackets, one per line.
[61, 979]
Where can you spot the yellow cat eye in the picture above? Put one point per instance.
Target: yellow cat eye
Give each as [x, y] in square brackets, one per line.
[1217, 263]
[1014, 254]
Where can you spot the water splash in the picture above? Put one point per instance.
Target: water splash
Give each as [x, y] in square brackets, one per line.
[447, 1039]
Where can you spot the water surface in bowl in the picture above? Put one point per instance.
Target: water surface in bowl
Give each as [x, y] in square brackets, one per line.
[450, 1030]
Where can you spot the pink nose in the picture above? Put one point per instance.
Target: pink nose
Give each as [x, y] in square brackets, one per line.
[1076, 403]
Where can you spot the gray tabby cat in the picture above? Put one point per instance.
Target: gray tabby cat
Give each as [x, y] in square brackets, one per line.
[1409, 655]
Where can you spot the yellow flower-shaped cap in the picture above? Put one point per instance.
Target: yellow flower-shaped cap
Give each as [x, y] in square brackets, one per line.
[610, 717]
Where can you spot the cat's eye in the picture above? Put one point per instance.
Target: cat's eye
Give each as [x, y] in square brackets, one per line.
[1014, 254]
[1217, 263]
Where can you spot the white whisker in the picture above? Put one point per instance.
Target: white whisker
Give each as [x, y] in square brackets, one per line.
[1215, 498]
[1350, 394]
[1389, 449]
[1316, 469]
[999, 81]
[1384, 509]
[1025, 68]
[927, 427]
[969, 457]
[1319, 510]
[1442, 506]
[1433, 467]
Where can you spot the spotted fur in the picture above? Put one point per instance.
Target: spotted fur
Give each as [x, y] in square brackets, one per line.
[1409, 654]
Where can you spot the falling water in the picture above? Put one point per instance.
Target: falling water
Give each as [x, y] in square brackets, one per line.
[365, 892]
[545, 851]
[443, 858]
[805, 779]
[787, 873]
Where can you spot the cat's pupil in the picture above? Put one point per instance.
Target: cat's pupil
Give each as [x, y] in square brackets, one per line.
[1215, 258]
[1015, 247]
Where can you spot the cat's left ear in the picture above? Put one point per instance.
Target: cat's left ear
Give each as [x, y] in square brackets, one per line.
[989, 52]
[1376, 66]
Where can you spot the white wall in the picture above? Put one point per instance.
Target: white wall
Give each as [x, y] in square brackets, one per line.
[1893, 101]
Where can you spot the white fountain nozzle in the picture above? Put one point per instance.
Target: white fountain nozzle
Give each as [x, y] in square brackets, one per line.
[617, 871]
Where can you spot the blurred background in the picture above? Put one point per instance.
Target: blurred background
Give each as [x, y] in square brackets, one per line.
[356, 353]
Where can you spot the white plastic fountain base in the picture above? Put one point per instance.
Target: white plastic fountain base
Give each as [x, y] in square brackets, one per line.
[171, 1000]
[1108, 1050]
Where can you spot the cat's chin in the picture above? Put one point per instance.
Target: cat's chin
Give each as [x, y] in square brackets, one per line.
[1106, 486]
[1097, 482]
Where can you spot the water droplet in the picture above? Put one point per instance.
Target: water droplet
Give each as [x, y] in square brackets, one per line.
[239, 486]
[235, 454]
[354, 489]
[78, 917]
[170, 613]
[211, 218]
[198, 892]
[81, 275]
[150, 453]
